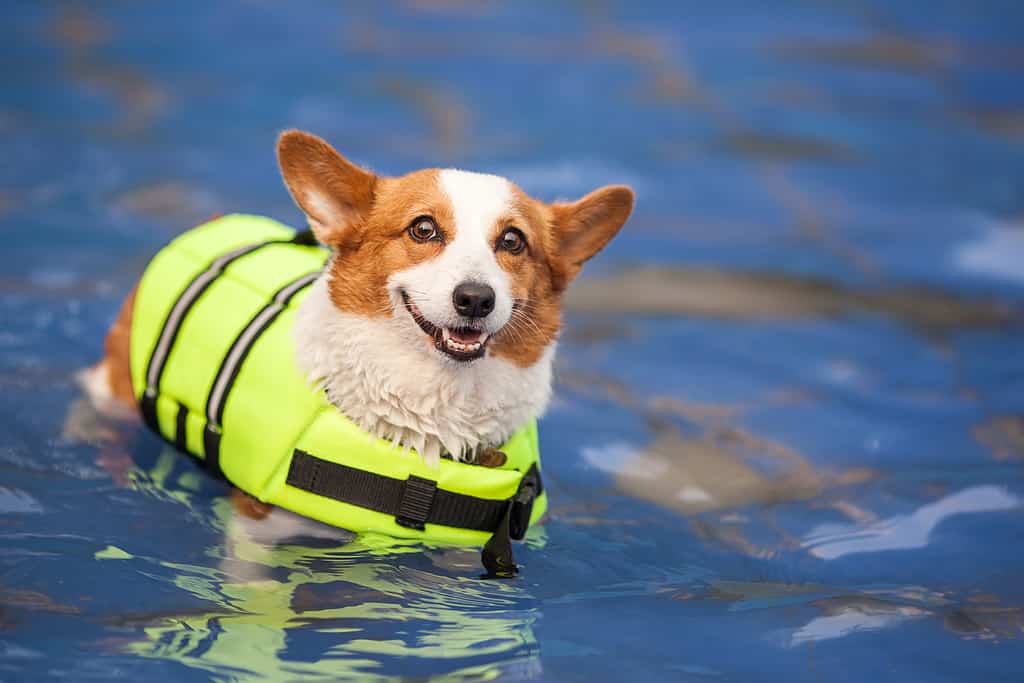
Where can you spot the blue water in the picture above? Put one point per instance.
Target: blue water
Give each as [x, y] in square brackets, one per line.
[788, 436]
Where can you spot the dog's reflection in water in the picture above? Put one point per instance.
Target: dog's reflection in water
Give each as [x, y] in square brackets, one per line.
[289, 597]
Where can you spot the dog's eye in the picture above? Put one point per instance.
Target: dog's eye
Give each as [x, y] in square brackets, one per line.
[424, 229]
[512, 240]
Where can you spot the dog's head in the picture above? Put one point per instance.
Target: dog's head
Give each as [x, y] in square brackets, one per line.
[470, 260]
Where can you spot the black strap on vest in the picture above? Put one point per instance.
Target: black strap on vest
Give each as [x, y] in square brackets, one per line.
[416, 501]
[180, 426]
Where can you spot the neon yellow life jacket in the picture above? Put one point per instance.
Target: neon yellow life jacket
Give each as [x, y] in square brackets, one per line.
[213, 367]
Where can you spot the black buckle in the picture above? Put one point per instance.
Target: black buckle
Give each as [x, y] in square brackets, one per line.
[417, 499]
[522, 504]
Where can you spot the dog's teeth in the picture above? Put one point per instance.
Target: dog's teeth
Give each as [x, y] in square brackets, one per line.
[459, 346]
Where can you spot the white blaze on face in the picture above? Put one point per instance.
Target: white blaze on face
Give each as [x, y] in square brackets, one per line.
[478, 202]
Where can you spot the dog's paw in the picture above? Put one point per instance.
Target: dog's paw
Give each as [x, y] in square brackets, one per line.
[249, 507]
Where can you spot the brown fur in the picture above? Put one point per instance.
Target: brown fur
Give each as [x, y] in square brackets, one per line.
[308, 164]
[586, 226]
[537, 315]
[116, 353]
[380, 246]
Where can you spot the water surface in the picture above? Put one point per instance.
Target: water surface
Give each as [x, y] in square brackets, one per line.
[788, 435]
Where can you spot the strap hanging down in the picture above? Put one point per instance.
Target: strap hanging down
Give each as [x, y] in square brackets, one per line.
[496, 556]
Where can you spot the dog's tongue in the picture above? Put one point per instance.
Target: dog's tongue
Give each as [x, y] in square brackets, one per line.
[465, 336]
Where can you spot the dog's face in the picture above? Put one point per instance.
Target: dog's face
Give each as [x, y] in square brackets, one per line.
[469, 260]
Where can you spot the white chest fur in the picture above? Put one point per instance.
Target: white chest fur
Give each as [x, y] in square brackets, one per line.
[382, 375]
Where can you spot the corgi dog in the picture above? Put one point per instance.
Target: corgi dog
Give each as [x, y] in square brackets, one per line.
[435, 322]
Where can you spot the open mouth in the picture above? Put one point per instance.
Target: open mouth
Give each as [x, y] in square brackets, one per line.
[462, 343]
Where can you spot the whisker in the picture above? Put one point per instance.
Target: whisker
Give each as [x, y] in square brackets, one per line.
[521, 317]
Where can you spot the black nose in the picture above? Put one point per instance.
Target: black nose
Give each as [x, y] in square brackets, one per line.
[473, 299]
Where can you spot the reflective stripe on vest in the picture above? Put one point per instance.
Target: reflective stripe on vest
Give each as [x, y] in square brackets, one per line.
[233, 362]
[195, 289]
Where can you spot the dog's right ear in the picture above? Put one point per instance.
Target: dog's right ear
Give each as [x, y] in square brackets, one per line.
[334, 193]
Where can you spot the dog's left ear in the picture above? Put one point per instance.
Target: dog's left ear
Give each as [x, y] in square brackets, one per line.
[334, 193]
[583, 228]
